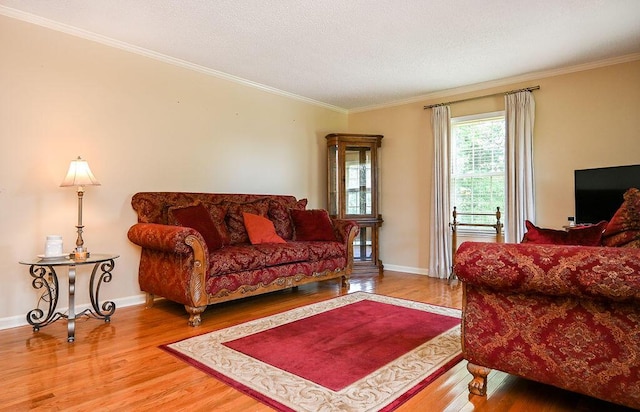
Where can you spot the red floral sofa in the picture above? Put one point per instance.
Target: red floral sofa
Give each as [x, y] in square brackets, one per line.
[565, 315]
[197, 248]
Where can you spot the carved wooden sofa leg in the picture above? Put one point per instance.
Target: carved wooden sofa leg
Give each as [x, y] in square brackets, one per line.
[478, 385]
[345, 282]
[194, 314]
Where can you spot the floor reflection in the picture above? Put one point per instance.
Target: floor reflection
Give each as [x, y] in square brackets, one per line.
[363, 283]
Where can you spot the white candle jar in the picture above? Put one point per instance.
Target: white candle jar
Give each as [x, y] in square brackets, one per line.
[53, 246]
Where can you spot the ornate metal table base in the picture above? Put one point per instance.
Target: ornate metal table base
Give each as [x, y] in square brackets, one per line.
[45, 277]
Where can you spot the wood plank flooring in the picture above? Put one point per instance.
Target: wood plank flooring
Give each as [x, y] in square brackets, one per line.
[117, 366]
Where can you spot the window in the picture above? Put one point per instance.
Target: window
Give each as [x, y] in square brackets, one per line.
[478, 166]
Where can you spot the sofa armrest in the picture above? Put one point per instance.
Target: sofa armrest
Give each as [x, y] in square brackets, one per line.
[582, 271]
[173, 264]
[346, 230]
[164, 238]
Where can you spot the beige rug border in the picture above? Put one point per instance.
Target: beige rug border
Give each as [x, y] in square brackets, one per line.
[371, 393]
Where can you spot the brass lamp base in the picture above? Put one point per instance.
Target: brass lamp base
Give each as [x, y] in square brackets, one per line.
[77, 255]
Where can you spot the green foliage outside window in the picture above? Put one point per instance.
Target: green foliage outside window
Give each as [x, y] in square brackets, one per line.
[477, 167]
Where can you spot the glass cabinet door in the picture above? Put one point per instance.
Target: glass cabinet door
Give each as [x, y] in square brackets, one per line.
[358, 180]
[332, 157]
[363, 245]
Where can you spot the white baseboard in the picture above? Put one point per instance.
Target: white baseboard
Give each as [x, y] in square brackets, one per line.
[21, 320]
[406, 269]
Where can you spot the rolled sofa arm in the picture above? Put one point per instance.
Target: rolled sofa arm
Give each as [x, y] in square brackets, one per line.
[346, 230]
[164, 238]
[173, 264]
[582, 271]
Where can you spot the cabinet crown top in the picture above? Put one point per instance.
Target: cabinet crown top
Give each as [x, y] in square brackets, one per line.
[377, 136]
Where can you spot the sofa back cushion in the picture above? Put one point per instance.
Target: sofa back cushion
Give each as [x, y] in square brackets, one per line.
[580, 235]
[235, 220]
[279, 214]
[153, 207]
[624, 227]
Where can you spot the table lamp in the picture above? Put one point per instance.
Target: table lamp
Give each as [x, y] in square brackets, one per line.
[79, 175]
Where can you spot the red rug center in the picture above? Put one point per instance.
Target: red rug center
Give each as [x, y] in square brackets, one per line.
[340, 346]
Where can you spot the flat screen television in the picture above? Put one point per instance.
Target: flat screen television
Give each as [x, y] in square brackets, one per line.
[599, 191]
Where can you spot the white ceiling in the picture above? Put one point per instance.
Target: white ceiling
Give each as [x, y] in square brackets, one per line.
[355, 53]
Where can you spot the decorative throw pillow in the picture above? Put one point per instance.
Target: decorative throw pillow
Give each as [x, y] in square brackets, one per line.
[197, 217]
[218, 213]
[235, 221]
[624, 228]
[580, 235]
[312, 225]
[260, 229]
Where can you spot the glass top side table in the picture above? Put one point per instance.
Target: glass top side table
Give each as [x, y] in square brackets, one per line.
[43, 272]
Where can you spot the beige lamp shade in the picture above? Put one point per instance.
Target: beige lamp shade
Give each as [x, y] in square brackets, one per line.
[79, 174]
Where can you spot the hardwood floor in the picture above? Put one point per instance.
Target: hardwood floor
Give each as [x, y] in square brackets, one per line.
[118, 366]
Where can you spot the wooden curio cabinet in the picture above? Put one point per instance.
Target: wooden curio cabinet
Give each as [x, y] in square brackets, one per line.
[353, 187]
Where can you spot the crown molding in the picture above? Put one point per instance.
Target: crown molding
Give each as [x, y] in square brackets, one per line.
[107, 41]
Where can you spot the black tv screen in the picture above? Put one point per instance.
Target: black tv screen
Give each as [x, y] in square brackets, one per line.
[599, 191]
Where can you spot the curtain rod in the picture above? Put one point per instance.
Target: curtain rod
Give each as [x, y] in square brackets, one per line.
[528, 89]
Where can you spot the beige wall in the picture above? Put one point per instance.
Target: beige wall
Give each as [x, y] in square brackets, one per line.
[584, 119]
[143, 125]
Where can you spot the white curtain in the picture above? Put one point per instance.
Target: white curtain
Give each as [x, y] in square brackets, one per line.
[439, 233]
[520, 205]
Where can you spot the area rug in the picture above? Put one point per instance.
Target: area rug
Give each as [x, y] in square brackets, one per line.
[358, 352]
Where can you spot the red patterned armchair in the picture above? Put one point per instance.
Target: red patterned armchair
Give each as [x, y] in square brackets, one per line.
[567, 316]
[203, 248]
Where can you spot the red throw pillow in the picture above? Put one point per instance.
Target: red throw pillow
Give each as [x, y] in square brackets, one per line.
[197, 217]
[581, 235]
[624, 228]
[260, 229]
[312, 225]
